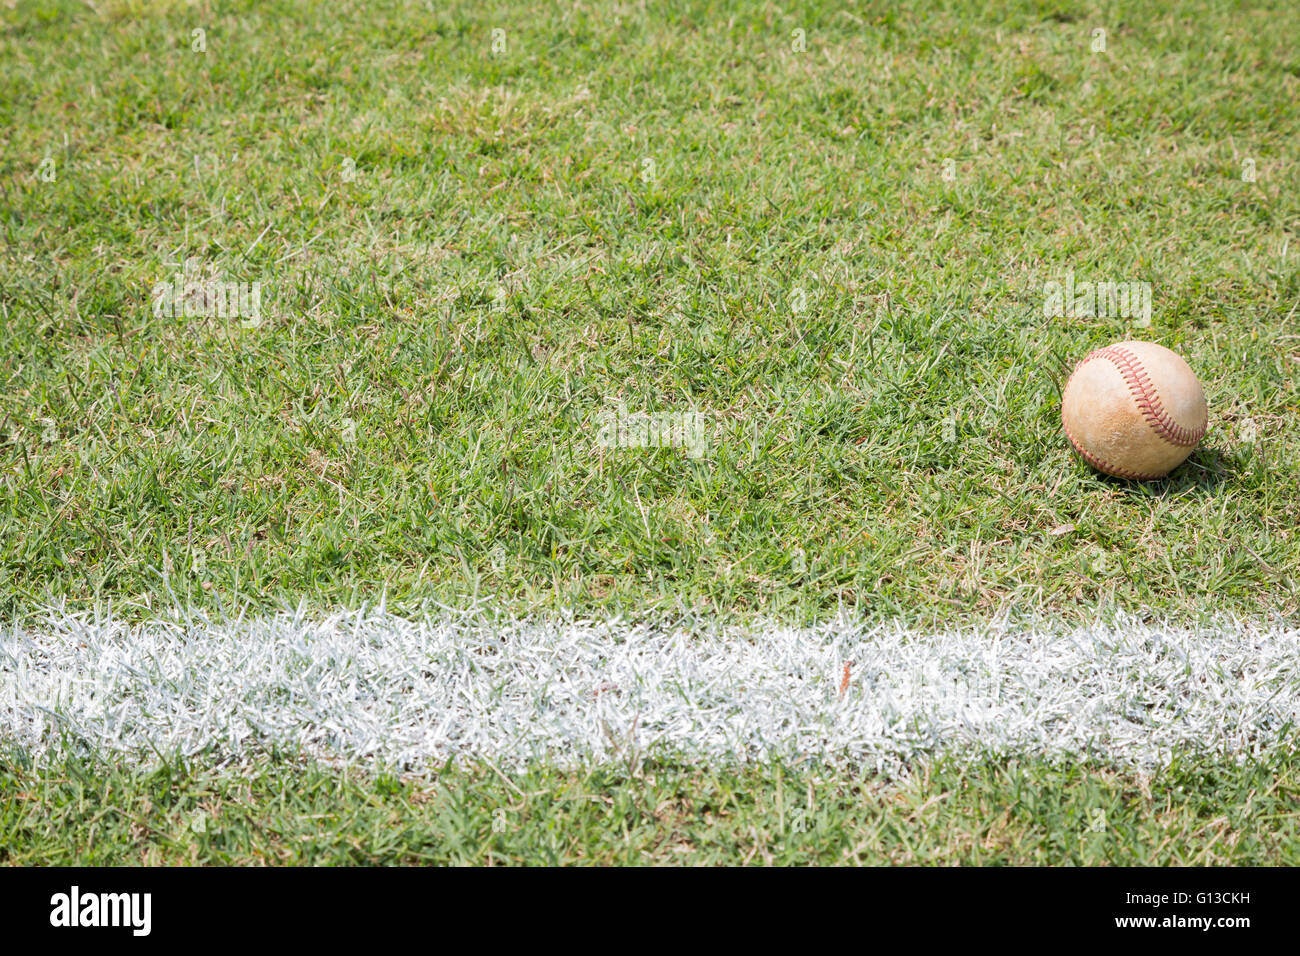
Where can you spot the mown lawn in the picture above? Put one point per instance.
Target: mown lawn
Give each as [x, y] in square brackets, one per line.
[478, 228]
[282, 811]
[467, 257]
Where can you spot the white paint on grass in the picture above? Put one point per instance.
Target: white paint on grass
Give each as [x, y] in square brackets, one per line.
[369, 686]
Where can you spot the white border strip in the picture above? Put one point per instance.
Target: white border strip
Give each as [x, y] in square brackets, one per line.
[372, 687]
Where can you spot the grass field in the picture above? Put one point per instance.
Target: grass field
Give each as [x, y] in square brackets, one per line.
[283, 811]
[476, 231]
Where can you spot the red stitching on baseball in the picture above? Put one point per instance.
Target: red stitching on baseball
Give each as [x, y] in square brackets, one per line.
[1146, 397]
[1103, 465]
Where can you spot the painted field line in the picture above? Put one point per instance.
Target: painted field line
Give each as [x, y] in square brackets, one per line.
[385, 690]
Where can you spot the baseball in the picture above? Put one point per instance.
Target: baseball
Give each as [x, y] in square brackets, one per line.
[1134, 410]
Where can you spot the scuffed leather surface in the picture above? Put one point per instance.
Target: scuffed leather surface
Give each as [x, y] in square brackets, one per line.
[1142, 424]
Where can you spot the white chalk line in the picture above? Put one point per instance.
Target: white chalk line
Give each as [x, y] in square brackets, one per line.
[384, 690]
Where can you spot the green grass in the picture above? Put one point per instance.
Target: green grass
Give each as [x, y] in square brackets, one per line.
[283, 812]
[417, 413]
[394, 424]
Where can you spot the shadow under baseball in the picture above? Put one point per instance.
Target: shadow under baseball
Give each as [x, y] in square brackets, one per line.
[1204, 472]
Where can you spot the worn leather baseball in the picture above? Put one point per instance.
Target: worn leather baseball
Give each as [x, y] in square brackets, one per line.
[1134, 410]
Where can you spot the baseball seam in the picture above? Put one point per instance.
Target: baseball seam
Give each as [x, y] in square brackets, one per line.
[1147, 398]
[1102, 465]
